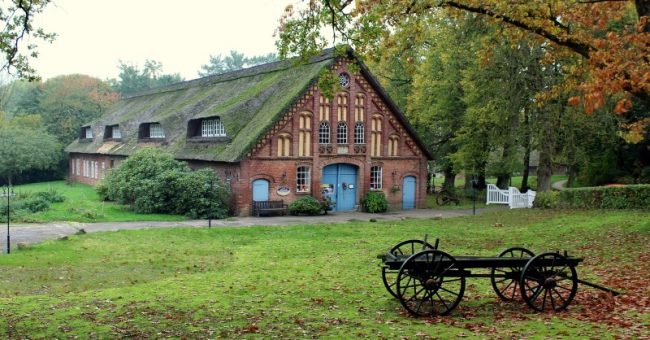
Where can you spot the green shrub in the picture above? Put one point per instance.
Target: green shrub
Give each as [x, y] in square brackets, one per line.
[52, 196]
[152, 181]
[305, 206]
[619, 197]
[35, 204]
[546, 200]
[374, 202]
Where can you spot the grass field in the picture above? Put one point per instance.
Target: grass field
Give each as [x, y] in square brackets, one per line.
[314, 280]
[82, 204]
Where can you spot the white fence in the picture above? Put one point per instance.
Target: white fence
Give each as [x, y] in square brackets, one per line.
[512, 197]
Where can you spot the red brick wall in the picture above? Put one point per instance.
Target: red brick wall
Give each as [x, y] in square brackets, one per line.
[264, 162]
[91, 167]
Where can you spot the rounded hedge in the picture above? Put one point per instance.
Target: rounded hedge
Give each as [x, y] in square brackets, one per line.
[305, 206]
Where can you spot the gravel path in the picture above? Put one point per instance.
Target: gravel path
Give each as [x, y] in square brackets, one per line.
[38, 232]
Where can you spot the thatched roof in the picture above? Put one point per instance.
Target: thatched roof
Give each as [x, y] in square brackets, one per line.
[248, 103]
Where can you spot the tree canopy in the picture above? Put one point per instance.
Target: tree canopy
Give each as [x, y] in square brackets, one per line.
[612, 37]
[17, 17]
[133, 79]
[232, 62]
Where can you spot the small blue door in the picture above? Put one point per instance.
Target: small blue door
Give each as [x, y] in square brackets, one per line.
[408, 192]
[260, 190]
[343, 179]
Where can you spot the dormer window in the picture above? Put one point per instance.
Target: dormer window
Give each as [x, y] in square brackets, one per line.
[212, 127]
[112, 132]
[86, 133]
[151, 131]
[208, 129]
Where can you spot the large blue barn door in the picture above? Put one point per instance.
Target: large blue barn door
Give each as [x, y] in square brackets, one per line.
[260, 190]
[343, 178]
[408, 192]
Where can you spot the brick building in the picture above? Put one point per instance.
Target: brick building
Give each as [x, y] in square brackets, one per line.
[269, 133]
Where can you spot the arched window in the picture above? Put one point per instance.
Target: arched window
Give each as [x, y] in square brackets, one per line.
[284, 145]
[342, 133]
[393, 145]
[304, 134]
[303, 179]
[359, 131]
[324, 133]
[375, 142]
[375, 178]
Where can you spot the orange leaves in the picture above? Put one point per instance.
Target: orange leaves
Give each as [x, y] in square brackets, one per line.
[574, 101]
[623, 106]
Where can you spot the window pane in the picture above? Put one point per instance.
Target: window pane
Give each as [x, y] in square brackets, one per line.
[303, 179]
[324, 133]
[342, 133]
[359, 133]
[375, 178]
[156, 131]
[212, 128]
[116, 133]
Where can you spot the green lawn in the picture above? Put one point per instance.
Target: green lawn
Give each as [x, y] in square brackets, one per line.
[82, 204]
[314, 280]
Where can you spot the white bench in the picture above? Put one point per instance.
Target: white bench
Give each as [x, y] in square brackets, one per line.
[512, 197]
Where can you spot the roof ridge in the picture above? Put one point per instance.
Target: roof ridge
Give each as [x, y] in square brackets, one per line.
[232, 75]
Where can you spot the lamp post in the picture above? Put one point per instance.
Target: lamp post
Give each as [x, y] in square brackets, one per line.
[8, 192]
[210, 186]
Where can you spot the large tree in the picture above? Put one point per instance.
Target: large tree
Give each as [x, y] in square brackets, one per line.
[17, 17]
[612, 36]
[23, 149]
[232, 62]
[132, 78]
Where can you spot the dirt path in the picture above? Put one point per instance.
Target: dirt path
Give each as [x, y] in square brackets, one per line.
[39, 232]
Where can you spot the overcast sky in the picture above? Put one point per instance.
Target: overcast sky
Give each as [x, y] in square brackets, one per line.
[93, 35]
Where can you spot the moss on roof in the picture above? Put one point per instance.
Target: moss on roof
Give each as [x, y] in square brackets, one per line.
[248, 102]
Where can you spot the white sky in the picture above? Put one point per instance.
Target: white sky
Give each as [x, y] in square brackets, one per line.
[93, 35]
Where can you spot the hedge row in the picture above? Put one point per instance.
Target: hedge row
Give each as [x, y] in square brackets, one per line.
[620, 197]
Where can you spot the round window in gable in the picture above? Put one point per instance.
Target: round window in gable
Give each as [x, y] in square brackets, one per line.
[344, 80]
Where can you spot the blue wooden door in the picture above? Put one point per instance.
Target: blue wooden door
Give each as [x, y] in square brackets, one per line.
[260, 190]
[343, 178]
[408, 192]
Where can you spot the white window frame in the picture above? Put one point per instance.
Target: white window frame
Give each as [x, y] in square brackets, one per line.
[342, 133]
[359, 133]
[324, 133]
[303, 179]
[96, 172]
[376, 177]
[212, 128]
[156, 131]
[103, 169]
[115, 132]
[77, 166]
[88, 132]
[85, 172]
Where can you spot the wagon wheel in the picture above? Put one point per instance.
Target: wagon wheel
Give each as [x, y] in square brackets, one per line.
[507, 288]
[430, 283]
[548, 282]
[409, 247]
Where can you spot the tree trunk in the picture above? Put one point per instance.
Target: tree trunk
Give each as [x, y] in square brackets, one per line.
[450, 179]
[544, 169]
[526, 171]
[643, 10]
[431, 183]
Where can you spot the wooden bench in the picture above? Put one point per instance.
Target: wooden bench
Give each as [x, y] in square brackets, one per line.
[269, 206]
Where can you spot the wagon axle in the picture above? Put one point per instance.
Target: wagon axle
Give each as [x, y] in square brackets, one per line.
[428, 281]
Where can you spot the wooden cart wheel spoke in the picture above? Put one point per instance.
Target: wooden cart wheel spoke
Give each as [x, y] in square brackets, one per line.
[448, 291]
[428, 268]
[548, 270]
[559, 295]
[443, 302]
[502, 285]
[408, 247]
[508, 286]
